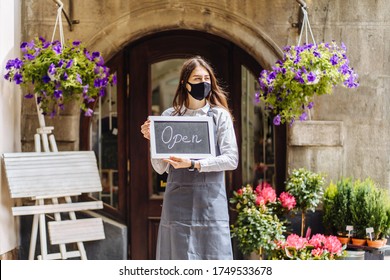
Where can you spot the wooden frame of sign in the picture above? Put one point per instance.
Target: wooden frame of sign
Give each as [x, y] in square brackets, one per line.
[185, 137]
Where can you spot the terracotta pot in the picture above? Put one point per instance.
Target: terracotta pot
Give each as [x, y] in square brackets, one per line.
[375, 243]
[343, 239]
[358, 241]
[384, 240]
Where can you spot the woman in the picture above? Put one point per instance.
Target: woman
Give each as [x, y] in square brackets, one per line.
[195, 220]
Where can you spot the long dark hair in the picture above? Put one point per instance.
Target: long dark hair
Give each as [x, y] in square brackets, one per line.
[217, 96]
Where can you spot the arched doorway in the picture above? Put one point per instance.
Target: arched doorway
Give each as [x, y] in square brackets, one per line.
[141, 67]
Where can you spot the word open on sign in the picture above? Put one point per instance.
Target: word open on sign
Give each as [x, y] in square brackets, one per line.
[186, 137]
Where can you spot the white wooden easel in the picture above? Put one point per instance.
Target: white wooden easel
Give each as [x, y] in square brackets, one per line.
[51, 178]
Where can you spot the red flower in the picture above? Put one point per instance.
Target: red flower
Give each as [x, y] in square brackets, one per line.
[287, 200]
[266, 191]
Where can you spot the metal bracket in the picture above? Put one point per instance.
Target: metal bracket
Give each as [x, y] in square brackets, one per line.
[69, 18]
[299, 24]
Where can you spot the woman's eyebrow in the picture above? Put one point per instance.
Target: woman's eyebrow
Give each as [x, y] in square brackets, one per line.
[201, 75]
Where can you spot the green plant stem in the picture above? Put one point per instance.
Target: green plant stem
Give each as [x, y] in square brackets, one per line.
[302, 223]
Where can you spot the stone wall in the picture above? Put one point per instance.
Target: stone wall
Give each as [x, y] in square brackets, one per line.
[261, 28]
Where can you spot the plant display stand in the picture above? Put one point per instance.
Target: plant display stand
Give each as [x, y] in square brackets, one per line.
[371, 253]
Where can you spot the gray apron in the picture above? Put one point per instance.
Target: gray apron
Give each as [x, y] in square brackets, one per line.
[194, 220]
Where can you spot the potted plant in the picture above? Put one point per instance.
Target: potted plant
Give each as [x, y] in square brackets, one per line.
[317, 247]
[260, 218]
[307, 188]
[305, 71]
[336, 208]
[369, 209]
[56, 74]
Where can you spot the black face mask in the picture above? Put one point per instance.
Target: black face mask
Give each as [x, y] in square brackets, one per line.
[200, 91]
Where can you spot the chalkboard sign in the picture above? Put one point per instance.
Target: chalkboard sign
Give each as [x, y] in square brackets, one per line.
[186, 137]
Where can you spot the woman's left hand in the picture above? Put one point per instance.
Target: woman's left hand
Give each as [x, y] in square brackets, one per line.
[177, 162]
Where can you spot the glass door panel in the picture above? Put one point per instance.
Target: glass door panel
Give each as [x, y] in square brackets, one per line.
[104, 142]
[257, 149]
[165, 79]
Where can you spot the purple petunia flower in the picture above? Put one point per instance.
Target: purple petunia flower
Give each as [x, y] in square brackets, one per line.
[88, 113]
[60, 63]
[310, 105]
[95, 55]
[311, 77]
[57, 93]
[344, 69]
[114, 80]
[65, 76]
[18, 78]
[53, 114]
[277, 120]
[85, 89]
[29, 56]
[52, 69]
[76, 43]
[303, 117]
[29, 96]
[87, 55]
[46, 79]
[57, 48]
[78, 78]
[351, 82]
[23, 46]
[69, 64]
[45, 45]
[334, 59]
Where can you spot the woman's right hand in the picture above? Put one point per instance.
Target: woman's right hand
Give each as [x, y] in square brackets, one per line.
[145, 129]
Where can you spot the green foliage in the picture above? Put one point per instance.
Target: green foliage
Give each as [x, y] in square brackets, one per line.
[336, 206]
[255, 229]
[369, 206]
[306, 187]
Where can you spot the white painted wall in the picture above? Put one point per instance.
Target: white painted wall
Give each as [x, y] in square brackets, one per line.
[10, 106]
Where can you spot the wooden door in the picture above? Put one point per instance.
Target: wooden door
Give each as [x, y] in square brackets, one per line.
[145, 206]
[139, 205]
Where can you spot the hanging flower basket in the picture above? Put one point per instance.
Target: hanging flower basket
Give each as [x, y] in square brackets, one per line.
[58, 73]
[289, 88]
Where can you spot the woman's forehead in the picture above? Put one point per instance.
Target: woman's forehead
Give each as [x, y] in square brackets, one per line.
[200, 71]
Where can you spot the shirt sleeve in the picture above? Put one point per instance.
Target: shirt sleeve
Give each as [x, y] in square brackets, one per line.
[226, 139]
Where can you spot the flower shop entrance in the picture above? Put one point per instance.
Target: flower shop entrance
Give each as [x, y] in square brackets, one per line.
[148, 72]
